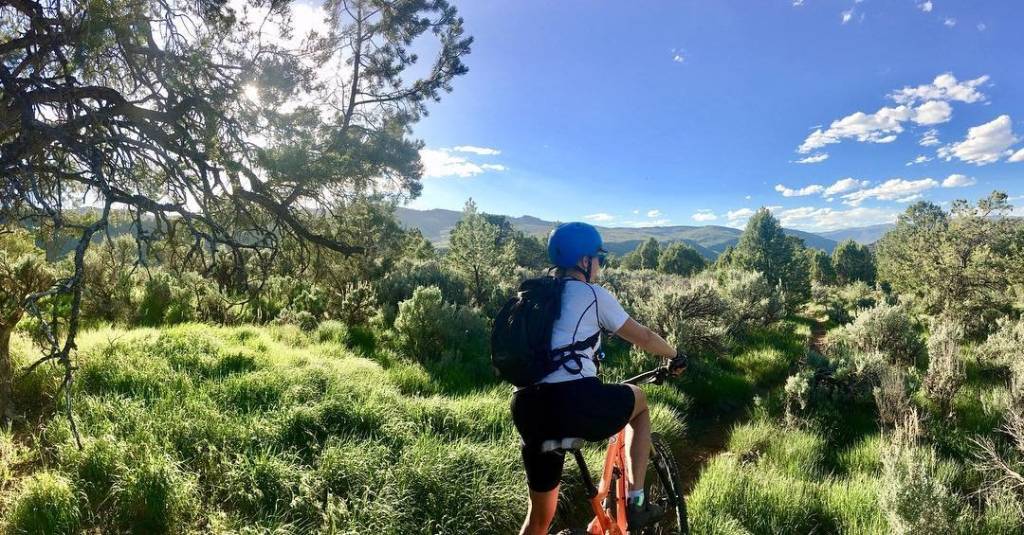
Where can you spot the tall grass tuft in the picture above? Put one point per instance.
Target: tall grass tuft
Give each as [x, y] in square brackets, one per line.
[154, 496]
[46, 503]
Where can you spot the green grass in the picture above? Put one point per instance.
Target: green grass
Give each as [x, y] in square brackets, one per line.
[46, 503]
[200, 429]
[224, 429]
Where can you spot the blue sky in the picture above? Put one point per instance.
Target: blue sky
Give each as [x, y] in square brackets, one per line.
[698, 112]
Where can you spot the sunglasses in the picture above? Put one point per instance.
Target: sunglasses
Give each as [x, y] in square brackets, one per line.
[602, 258]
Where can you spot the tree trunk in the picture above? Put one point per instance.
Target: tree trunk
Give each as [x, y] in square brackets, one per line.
[6, 376]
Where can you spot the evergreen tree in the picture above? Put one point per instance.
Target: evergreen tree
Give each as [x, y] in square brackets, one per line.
[961, 264]
[852, 262]
[764, 247]
[648, 252]
[822, 271]
[680, 259]
[475, 254]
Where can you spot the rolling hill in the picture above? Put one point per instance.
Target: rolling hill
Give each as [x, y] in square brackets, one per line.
[863, 235]
[708, 240]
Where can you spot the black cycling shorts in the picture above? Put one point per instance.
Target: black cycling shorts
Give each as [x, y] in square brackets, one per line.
[583, 408]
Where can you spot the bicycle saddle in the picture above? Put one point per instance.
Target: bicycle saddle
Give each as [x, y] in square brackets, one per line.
[561, 445]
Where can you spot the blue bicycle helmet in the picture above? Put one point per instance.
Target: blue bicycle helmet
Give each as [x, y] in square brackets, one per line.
[569, 242]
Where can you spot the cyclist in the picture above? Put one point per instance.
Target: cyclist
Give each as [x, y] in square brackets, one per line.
[572, 401]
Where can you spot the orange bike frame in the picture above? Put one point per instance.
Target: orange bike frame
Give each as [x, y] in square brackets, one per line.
[614, 474]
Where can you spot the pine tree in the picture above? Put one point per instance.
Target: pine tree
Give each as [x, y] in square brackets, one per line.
[476, 255]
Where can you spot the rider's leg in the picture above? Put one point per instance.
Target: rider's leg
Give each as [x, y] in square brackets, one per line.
[638, 439]
[541, 512]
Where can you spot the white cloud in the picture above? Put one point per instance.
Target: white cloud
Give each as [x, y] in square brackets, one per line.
[600, 217]
[439, 163]
[926, 104]
[647, 223]
[949, 22]
[798, 3]
[747, 197]
[919, 160]
[981, 26]
[896, 189]
[984, 144]
[878, 127]
[482, 151]
[930, 138]
[653, 213]
[704, 216]
[925, 6]
[678, 58]
[813, 189]
[933, 112]
[823, 219]
[1017, 156]
[958, 181]
[944, 87]
[847, 15]
[814, 158]
[845, 185]
[737, 215]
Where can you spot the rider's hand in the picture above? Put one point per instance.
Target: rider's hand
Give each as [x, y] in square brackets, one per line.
[678, 364]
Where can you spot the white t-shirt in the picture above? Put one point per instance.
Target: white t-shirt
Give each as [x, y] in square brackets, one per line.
[577, 302]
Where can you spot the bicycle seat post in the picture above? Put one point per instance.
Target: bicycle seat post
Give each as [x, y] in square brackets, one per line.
[585, 473]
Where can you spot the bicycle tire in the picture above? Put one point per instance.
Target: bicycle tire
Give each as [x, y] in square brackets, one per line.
[664, 486]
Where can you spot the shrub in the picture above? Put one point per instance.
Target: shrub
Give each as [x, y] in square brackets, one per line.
[1005, 346]
[915, 493]
[691, 313]
[751, 299]
[304, 319]
[45, 504]
[945, 373]
[400, 283]
[355, 303]
[886, 329]
[334, 332]
[155, 299]
[428, 328]
[107, 292]
[155, 497]
[843, 303]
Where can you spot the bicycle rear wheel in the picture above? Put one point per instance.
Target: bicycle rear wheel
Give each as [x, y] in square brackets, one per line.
[663, 486]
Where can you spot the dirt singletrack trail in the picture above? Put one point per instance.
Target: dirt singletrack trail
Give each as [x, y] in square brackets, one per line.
[709, 436]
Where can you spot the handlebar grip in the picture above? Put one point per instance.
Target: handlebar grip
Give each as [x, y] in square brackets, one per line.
[679, 362]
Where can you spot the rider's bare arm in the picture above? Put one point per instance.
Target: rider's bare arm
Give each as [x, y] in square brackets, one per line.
[645, 339]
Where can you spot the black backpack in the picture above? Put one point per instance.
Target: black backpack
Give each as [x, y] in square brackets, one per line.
[521, 339]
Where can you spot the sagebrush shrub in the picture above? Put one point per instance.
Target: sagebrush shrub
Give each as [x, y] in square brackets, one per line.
[915, 493]
[400, 283]
[1005, 346]
[886, 329]
[750, 299]
[45, 504]
[427, 327]
[945, 373]
[689, 312]
[843, 303]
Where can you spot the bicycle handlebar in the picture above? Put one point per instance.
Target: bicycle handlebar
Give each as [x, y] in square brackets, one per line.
[659, 374]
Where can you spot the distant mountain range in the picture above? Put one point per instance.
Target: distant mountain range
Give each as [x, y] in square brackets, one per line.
[708, 240]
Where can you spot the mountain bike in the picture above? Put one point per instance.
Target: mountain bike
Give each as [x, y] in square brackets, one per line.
[662, 485]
